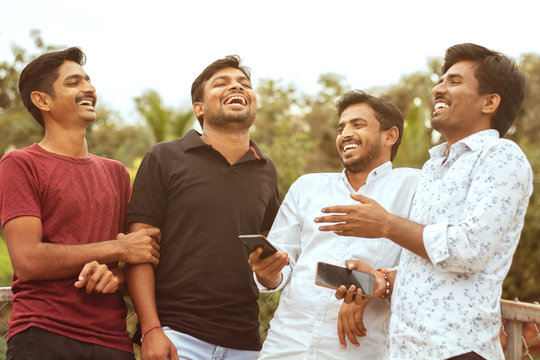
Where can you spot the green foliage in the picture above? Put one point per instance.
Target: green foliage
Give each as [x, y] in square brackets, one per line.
[164, 123]
[6, 271]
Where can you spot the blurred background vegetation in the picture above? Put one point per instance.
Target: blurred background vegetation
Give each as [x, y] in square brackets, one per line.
[296, 130]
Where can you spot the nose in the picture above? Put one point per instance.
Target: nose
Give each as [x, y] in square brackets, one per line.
[438, 89]
[236, 85]
[89, 88]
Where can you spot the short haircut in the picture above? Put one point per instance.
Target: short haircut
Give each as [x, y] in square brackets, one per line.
[197, 88]
[496, 74]
[42, 72]
[386, 112]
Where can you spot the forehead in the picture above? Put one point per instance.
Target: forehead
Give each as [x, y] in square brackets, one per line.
[465, 68]
[361, 111]
[228, 72]
[70, 68]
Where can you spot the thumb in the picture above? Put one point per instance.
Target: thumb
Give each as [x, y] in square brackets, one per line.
[361, 198]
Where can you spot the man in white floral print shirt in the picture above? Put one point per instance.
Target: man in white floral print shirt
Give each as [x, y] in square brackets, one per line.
[465, 220]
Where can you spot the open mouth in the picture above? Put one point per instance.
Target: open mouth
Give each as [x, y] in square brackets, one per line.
[349, 148]
[236, 99]
[439, 105]
[88, 101]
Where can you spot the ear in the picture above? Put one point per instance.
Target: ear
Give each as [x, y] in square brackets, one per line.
[491, 104]
[41, 100]
[198, 109]
[391, 136]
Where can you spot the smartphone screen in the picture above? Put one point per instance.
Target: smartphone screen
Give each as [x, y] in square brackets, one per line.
[255, 241]
[333, 277]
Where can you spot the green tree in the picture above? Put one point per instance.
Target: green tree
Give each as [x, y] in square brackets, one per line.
[164, 123]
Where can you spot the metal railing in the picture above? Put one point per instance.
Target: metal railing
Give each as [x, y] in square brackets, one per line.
[520, 334]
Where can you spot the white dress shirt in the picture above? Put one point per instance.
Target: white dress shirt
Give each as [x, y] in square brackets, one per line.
[474, 204]
[305, 324]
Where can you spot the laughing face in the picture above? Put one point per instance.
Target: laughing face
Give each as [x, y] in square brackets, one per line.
[457, 104]
[229, 100]
[74, 96]
[359, 138]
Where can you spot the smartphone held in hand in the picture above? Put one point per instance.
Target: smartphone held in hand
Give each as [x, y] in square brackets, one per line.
[252, 242]
[333, 276]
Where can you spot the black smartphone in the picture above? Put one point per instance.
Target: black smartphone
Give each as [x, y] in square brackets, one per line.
[255, 241]
[333, 276]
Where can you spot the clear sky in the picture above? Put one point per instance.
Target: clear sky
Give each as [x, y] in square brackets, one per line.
[164, 44]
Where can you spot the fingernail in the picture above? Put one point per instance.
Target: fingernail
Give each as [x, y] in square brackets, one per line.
[316, 220]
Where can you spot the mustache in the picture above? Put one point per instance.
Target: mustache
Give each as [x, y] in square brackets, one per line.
[86, 96]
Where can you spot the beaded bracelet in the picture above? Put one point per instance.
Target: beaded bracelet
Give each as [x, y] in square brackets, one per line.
[384, 273]
[147, 331]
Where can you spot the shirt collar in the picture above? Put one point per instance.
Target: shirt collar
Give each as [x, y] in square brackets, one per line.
[192, 139]
[472, 142]
[378, 172]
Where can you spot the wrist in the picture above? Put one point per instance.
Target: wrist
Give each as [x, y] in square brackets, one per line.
[150, 329]
[387, 290]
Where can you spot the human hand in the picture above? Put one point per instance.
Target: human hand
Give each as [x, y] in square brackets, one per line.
[352, 294]
[268, 270]
[141, 246]
[98, 278]
[157, 346]
[351, 323]
[366, 219]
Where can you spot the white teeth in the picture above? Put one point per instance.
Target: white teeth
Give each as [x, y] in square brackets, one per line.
[350, 146]
[86, 102]
[440, 105]
[232, 98]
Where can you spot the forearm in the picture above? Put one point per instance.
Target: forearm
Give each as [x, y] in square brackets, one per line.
[405, 233]
[46, 261]
[140, 282]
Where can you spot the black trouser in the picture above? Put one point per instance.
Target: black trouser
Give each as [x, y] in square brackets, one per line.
[468, 356]
[36, 343]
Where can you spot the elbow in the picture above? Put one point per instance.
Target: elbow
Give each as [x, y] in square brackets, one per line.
[25, 273]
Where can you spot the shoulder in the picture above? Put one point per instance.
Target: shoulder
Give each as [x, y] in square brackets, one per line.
[406, 173]
[504, 153]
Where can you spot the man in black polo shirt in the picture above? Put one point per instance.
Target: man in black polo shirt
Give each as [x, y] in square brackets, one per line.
[202, 191]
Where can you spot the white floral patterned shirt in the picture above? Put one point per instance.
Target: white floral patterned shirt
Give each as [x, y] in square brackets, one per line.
[474, 205]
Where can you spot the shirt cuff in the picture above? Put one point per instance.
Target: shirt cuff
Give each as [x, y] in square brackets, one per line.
[436, 242]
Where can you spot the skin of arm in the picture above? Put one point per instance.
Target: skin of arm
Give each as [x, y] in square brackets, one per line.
[351, 314]
[33, 259]
[368, 219]
[140, 281]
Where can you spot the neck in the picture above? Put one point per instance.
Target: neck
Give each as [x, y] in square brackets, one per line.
[67, 142]
[231, 144]
[358, 179]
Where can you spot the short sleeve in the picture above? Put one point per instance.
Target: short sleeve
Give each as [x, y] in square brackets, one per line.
[19, 190]
[148, 203]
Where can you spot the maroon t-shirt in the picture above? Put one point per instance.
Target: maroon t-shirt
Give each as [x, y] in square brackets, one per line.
[79, 201]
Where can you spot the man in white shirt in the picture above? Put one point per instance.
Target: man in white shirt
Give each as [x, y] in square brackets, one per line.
[305, 323]
[466, 217]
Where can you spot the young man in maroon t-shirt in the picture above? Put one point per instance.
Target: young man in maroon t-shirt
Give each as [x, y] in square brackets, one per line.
[60, 207]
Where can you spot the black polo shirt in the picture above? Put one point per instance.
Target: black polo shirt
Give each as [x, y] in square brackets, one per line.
[201, 203]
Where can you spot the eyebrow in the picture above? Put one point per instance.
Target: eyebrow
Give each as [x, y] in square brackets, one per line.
[77, 76]
[227, 77]
[353, 121]
[450, 76]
